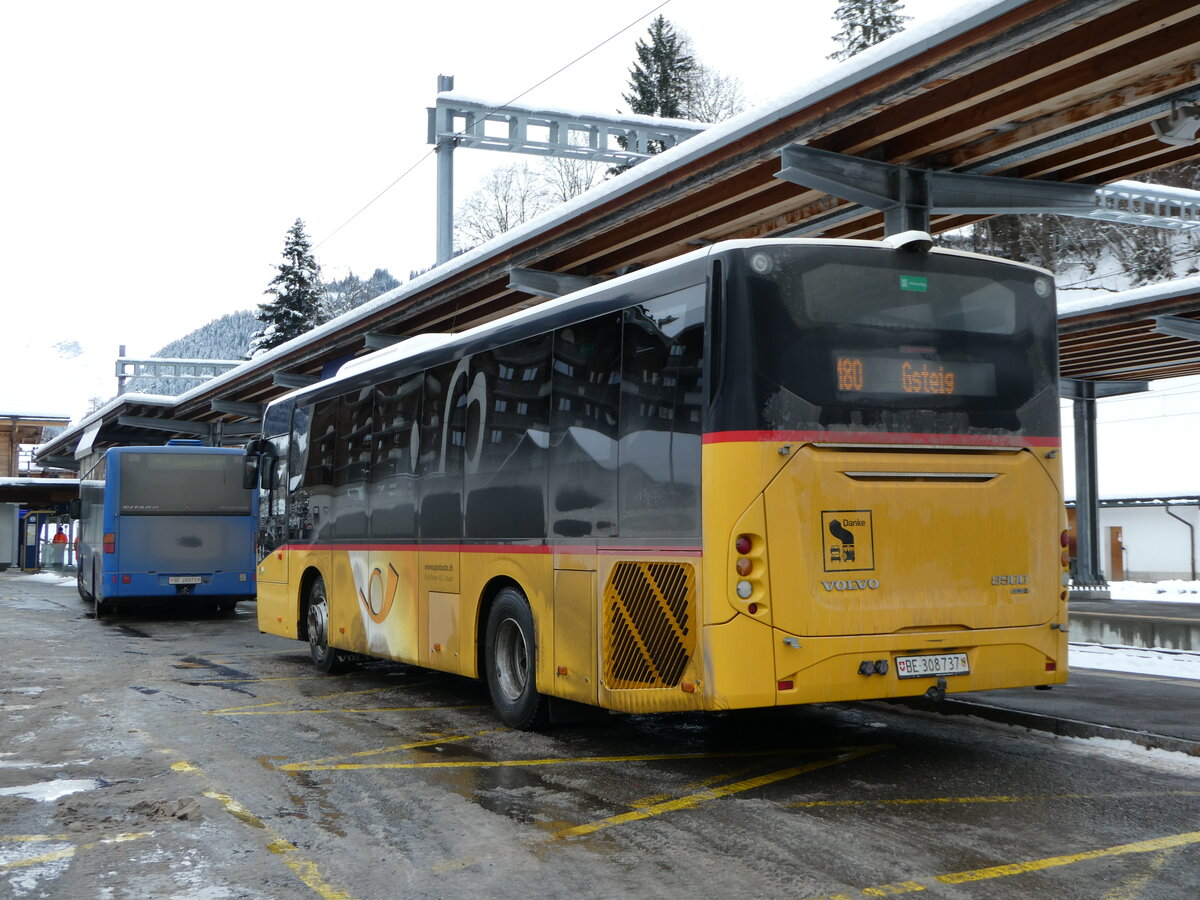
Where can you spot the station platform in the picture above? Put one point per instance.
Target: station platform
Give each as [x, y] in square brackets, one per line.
[1147, 710]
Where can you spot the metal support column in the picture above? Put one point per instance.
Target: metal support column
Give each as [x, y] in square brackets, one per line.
[1087, 572]
[445, 182]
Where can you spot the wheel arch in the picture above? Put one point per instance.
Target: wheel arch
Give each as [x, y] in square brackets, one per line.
[311, 574]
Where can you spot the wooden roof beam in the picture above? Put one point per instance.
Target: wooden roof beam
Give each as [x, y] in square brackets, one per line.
[1017, 70]
[1145, 69]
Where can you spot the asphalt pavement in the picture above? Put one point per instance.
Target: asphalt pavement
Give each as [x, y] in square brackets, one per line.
[1149, 710]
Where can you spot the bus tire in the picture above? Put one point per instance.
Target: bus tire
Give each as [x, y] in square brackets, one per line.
[510, 658]
[324, 657]
[83, 594]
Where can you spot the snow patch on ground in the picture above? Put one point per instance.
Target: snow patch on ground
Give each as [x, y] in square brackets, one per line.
[47, 791]
[1135, 660]
[1160, 591]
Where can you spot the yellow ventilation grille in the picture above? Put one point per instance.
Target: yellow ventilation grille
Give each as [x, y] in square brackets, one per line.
[649, 634]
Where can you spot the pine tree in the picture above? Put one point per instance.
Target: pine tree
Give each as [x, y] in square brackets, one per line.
[660, 80]
[865, 23]
[297, 292]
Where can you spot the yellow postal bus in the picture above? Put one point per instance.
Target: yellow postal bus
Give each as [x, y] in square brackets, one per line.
[765, 473]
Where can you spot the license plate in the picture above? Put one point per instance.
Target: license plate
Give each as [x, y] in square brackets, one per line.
[932, 664]
[184, 579]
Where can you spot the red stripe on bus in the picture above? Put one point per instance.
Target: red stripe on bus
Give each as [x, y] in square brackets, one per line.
[428, 548]
[497, 548]
[881, 437]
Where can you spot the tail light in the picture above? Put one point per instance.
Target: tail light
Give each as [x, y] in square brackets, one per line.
[750, 568]
[110, 542]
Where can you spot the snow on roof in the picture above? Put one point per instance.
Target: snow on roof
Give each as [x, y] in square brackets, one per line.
[27, 414]
[1165, 290]
[20, 481]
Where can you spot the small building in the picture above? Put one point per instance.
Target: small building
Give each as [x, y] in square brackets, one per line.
[1148, 538]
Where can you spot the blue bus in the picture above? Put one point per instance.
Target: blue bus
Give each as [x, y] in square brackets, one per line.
[168, 523]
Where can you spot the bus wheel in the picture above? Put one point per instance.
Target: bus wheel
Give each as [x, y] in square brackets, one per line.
[226, 606]
[324, 657]
[511, 661]
[83, 594]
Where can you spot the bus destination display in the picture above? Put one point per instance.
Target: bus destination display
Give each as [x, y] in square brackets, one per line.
[886, 374]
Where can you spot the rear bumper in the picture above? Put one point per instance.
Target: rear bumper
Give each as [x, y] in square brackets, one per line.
[795, 670]
[212, 584]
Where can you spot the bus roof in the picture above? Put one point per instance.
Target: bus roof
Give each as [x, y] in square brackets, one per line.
[418, 345]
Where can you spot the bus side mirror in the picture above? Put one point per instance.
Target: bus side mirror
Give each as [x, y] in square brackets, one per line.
[250, 462]
[269, 465]
[75, 508]
[250, 470]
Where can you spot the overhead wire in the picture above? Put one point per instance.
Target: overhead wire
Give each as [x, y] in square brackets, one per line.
[495, 109]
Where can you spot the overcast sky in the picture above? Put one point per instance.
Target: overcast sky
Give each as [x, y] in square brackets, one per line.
[156, 153]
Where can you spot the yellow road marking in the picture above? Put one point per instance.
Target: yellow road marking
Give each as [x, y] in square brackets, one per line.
[997, 798]
[553, 761]
[1036, 865]
[701, 783]
[241, 709]
[253, 711]
[1133, 886]
[254, 680]
[378, 690]
[254, 706]
[693, 800]
[309, 765]
[1050, 862]
[305, 869]
[69, 852]
[34, 838]
[236, 809]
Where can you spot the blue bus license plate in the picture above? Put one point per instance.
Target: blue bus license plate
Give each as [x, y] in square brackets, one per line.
[184, 579]
[932, 664]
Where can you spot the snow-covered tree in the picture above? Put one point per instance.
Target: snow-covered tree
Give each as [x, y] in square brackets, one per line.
[865, 23]
[297, 292]
[351, 292]
[659, 81]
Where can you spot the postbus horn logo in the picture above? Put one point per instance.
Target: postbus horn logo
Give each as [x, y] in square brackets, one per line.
[379, 602]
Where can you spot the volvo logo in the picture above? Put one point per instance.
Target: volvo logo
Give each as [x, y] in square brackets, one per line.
[854, 584]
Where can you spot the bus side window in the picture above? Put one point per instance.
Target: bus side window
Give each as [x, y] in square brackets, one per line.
[443, 439]
[394, 452]
[585, 412]
[352, 463]
[661, 416]
[317, 523]
[299, 524]
[507, 420]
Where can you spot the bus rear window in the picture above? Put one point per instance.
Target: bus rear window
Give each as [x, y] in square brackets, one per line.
[863, 339]
[175, 484]
[900, 299]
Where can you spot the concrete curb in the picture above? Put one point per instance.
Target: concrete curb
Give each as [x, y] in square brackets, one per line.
[1053, 725]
